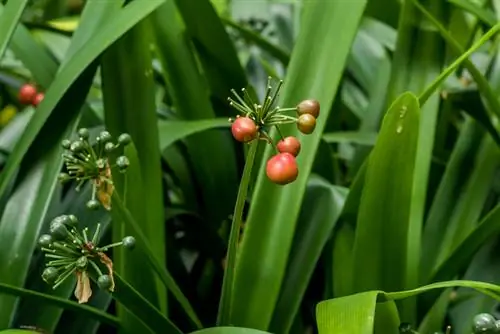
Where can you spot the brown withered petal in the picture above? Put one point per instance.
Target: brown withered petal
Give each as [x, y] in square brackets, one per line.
[109, 264]
[82, 290]
[105, 188]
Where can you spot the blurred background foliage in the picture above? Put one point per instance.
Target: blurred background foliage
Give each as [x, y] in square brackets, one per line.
[161, 70]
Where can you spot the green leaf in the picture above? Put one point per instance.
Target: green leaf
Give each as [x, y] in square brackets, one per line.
[321, 209]
[485, 15]
[354, 137]
[229, 330]
[274, 210]
[107, 34]
[172, 131]
[381, 247]
[8, 22]
[60, 302]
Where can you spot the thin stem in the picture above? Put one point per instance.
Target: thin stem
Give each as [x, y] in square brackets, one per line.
[224, 314]
[449, 70]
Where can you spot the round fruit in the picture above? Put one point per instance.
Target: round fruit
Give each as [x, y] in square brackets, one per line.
[310, 107]
[38, 99]
[124, 139]
[282, 168]
[306, 123]
[58, 230]
[93, 204]
[105, 136]
[45, 240]
[83, 133]
[104, 281]
[122, 162]
[289, 145]
[244, 129]
[66, 144]
[129, 242]
[27, 93]
[50, 274]
[483, 323]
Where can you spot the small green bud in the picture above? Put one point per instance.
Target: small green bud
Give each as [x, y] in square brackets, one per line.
[63, 177]
[83, 133]
[104, 282]
[483, 323]
[50, 274]
[129, 242]
[122, 162]
[73, 221]
[66, 144]
[77, 146]
[109, 147]
[58, 230]
[105, 136]
[82, 262]
[45, 240]
[66, 220]
[93, 204]
[124, 139]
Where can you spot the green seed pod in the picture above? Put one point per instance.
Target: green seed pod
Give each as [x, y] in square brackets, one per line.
[122, 162]
[58, 230]
[109, 147]
[105, 136]
[45, 240]
[82, 262]
[83, 133]
[104, 282]
[77, 146]
[50, 274]
[124, 139]
[483, 323]
[73, 221]
[66, 144]
[93, 204]
[129, 242]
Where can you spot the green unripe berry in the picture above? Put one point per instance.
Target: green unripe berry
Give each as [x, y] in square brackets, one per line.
[124, 139]
[129, 242]
[66, 144]
[65, 219]
[63, 177]
[77, 146]
[109, 147]
[50, 274]
[104, 282]
[483, 323]
[105, 136]
[83, 133]
[57, 229]
[93, 204]
[122, 162]
[82, 262]
[72, 220]
[45, 240]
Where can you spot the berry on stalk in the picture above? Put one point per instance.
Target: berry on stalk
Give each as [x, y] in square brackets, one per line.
[289, 145]
[282, 168]
[310, 107]
[306, 123]
[27, 94]
[483, 323]
[244, 129]
[38, 99]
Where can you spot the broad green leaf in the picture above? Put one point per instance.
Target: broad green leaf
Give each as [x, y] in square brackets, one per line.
[321, 209]
[362, 138]
[358, 313]
[485, 15]
[59, 302]
[129, 107]
[108, 33]
[382, 253]
[229, 330]
[9, 20]
[274, 210]
[172, 131]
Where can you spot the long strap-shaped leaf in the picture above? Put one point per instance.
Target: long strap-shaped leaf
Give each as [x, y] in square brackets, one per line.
[8, 22]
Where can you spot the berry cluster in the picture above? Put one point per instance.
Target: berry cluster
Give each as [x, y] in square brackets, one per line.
[70, 252]
[256, 121]
[86, 161]
[28, 94]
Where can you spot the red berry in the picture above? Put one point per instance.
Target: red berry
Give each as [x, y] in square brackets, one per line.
[27, 93]
[282, 168]
[244, 129]
[310, 107]
[289, 145]
[306, 123]
[38, 99]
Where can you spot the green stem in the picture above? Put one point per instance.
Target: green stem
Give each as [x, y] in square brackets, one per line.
[160, 270]
[449, 70]
[224, 314]
[60, 302]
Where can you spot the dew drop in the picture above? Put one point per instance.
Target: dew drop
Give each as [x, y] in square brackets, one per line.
[402, 112]
[399, 129]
